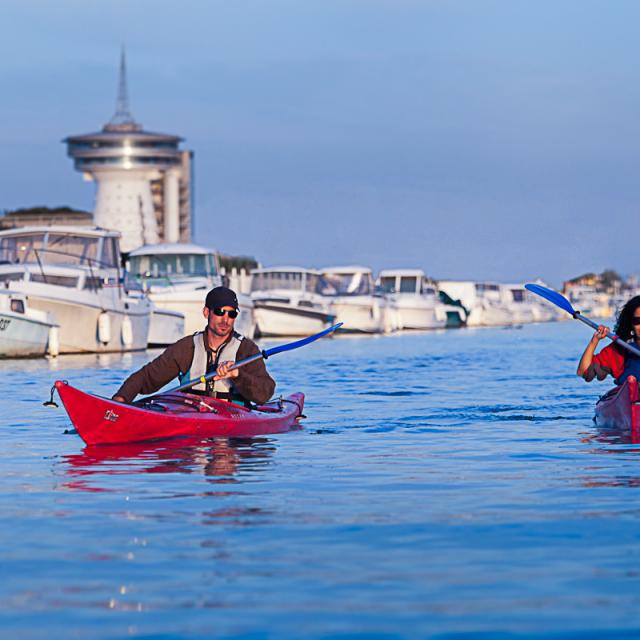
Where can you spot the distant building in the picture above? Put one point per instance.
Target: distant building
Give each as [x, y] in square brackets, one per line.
[45, 216]
[144, 179]
[608, 281]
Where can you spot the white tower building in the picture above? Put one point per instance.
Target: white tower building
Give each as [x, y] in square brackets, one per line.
[143, 178]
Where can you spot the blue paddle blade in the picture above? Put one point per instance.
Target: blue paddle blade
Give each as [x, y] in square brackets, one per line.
[300, 343]
[552, 296]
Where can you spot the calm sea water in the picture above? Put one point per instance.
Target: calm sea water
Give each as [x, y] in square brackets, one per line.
[446, 485]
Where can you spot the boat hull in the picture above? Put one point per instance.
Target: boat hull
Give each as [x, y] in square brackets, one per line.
[165, 328]
[190, 303]
[417, 315]
[21, 336]
[358, 315]
[619, 408]
[285, 320]
[79, 314]
[102, 421]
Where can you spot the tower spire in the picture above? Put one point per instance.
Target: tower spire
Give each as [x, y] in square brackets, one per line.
[122, 119]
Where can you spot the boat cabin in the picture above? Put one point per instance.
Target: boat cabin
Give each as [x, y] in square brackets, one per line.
[54, 255]
[348, 281]
[286, 279]
[406, 281]
[163, 264]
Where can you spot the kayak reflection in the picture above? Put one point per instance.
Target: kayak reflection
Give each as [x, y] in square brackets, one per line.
[614, 436]
[218, 458]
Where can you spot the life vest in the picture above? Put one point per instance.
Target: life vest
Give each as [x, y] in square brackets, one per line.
[202, 364]
[631, 368]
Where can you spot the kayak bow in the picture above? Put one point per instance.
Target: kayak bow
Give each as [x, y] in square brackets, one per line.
[100, 420]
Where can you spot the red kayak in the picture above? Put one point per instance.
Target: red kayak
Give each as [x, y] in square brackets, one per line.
[102, 421]
[619, 408]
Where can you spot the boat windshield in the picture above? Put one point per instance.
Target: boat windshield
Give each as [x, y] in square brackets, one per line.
[69, 249]
[388, 284]
[270, 280]
[348, 284]
[408, 284]
[487, 290]
[16, 249]
[173, 265]
[54, 248]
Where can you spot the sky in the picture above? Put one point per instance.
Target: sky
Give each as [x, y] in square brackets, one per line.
[476, 139]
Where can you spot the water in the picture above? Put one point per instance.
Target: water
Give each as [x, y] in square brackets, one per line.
[446, 485]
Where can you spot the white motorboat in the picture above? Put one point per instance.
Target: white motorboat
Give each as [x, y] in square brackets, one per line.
[287, 301]
[589, 301]
[416, 302]
[520, 304]
[74, 274]
[25, 332]
[483, 300]
[355, 301]
[166, 327]
[177, 277]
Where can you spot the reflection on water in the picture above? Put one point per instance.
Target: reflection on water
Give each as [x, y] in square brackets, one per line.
[447, 484]
[217, 458]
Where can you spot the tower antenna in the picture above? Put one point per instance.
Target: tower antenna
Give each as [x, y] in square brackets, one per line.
[122, 119]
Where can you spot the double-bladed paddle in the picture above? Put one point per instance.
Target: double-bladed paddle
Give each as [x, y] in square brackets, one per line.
[560, 301]
[263, 354]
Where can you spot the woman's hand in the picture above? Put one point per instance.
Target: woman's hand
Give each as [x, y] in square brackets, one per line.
[223, 370]
[585, 368]
[601, 333]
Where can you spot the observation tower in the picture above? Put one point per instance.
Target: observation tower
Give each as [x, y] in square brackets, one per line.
[143, 179]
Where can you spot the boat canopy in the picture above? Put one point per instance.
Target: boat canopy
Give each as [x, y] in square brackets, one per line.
[171, 265]
[348, 284]
[415, 284]
[57, 246]
[287, 279]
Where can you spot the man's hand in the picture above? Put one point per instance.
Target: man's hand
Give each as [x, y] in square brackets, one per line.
[119, 399]
[223, 370]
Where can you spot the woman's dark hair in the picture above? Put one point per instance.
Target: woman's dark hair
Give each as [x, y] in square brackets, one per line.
[624, 324]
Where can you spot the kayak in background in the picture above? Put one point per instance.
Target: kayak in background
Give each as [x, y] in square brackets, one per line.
[619, 408]
[103, 421]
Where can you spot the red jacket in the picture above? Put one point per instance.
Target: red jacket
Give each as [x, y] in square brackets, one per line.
[611, 360]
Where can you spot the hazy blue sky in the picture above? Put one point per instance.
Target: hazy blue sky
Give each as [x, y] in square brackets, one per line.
[475, 139]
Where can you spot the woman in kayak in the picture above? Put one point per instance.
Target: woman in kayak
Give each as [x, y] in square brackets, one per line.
[614, 360]
[217, 348]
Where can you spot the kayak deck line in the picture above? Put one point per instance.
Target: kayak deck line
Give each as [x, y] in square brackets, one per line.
[100, 420]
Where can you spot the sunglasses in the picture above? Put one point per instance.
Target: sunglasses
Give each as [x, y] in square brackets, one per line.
[220, 312]
[635, 321]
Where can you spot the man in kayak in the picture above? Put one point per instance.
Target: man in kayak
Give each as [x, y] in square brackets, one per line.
[614, 360]
[216, 348]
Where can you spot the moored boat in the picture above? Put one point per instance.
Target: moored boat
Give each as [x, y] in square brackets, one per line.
[100, 420]
[483, 300]
[25, 332]
[414, 299]
[177, 276]
[74, 274]
[287, 301]
[355, 300]
[619, 408]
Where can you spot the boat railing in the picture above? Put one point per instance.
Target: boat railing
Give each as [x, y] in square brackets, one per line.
[93, 282]
[45, 259]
